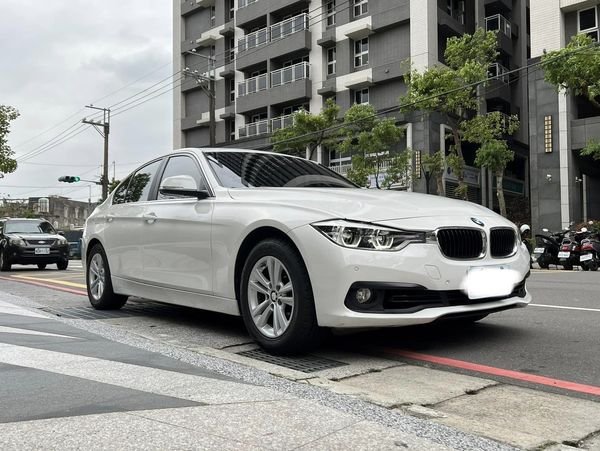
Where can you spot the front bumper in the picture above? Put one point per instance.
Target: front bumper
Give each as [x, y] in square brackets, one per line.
[25, 255]
[335, 270]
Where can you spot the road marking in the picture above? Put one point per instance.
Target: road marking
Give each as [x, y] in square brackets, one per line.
[60, 282]
[46, 285]
[517, 375]
[12, 309]
[14, 330]
[583, 309]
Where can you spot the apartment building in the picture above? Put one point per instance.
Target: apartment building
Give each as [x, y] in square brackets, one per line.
[565, 187]
[274, 57]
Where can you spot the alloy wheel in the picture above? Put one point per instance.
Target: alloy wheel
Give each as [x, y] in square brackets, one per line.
[97, 276]
[271, 297]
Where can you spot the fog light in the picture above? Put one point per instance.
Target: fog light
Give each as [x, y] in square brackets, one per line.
[363, 295]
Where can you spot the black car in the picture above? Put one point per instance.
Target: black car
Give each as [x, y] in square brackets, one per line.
[31, 242]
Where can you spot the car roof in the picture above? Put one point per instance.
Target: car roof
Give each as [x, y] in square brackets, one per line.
[24, 219]
[234, 150]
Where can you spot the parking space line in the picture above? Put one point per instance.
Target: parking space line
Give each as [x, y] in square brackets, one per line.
[563, 307]
[516, 375]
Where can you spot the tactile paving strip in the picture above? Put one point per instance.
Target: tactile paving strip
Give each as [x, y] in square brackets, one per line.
[305, 364]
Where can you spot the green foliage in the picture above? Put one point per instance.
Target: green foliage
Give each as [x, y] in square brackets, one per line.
[113, 185]
[575, 68]
[488, 127]
[399, 169]
[435, 165]
[308, 132]
[452, 90]
[7, 163]
[494, 155]
[369, 137]
[591, 149]
[360, 171]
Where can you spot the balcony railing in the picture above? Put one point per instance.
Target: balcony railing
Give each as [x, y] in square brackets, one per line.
[278, 77]
[244, 3]
[282, 122]
[277, 31]
[341, 169]
[254, 129]
[252, 85]
[498, 72]
[498, 22]
[290, 74]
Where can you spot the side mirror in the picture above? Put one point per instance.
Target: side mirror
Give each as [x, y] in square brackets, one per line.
[524, 228]
[545, 230]
[61, 233]
[181, 185]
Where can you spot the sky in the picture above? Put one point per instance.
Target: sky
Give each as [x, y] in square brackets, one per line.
[58, 56]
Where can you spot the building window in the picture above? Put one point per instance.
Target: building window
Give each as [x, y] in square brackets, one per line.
[361, 7]
[230, 124]
[330, 8]
[456, 9]
[212, 51]
[232, 90]
[213, 17]
[331, 61]
[361, 52]
[230, 9]
[587, 21]
[230, 56]
[361, 96]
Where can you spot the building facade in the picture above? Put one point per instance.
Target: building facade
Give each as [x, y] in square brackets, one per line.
[565, 188]
[274, 57]
[62, 212]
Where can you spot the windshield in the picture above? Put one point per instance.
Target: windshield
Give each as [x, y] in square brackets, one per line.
[252, 170]
[29, 227]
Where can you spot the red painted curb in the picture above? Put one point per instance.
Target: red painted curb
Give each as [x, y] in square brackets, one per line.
[51, 286]
[517, 375]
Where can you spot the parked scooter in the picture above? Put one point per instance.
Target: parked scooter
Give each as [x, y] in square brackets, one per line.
[589, 259]
[570, 249]
[547, 248]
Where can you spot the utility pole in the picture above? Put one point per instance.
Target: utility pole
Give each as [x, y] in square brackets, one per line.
[201, 79]
[105, 125]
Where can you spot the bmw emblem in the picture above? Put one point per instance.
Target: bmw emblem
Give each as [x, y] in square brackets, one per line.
[479, 222]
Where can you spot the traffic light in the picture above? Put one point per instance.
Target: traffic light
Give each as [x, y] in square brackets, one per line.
[68, 179]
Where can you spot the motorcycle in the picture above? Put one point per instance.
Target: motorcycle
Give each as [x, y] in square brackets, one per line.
[570, 249]
[590, 253]
[547, 248]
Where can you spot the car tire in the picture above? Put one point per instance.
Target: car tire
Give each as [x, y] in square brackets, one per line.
[585, 267]
[542, 263]
[63, 265]
[4, 265]
[280, 324]
[41, 265]
[568, 267]
[99, 283]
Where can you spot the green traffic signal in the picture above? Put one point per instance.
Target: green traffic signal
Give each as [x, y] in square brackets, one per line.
[68, 179]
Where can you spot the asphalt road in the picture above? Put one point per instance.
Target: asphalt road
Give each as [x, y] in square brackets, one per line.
[557, 337]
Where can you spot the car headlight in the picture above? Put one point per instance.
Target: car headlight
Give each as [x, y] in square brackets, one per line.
[17, 242]
[61, 241]
[358, 235]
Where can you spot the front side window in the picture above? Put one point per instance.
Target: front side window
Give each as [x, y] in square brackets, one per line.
[331, 61]
[361, 52]
[186, 166]
[361, 96]
[141, 182]
[361, 7]
[330, 8]
[253, 170]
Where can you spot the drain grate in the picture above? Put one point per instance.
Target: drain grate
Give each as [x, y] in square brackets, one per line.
[130, 309]
[305, 364]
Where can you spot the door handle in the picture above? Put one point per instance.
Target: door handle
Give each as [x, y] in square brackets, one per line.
[110, 218]
[150, 218]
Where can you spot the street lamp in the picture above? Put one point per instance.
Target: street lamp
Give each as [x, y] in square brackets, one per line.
[210, 92]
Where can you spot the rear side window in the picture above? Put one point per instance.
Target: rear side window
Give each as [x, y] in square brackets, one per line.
[138, 187]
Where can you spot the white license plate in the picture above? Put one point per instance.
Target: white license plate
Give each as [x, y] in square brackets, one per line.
[539, 250]
[564, 254]
[42, 250]
[490, 281]
[586, 257]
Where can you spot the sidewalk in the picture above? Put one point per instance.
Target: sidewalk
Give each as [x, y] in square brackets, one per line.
[66, 388]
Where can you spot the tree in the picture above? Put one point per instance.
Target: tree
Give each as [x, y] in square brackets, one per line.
[451, 90]
[7, 163]
[368, 139]
[399, 169]
[575, 69]
[435, 166]
[308, 131]
[495, 155]
[113, 185]
[592, 149]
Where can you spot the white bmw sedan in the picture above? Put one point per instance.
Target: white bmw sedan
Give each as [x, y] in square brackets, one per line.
[293, 248]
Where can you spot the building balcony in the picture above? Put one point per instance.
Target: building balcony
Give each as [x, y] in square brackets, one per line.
[209, 37]
[250, 10]
[504, 27]
[279, 87]
[498, 86]
[285, 37]
[255, 129]
[493, 6]
[451, 24]
[282, 122]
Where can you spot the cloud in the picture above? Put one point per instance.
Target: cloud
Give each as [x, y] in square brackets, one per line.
[63, 54]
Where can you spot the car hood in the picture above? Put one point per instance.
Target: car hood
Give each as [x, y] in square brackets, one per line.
[34, 236]
[363, 204]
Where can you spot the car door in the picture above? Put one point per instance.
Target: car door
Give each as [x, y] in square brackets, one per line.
[124, 223]
[176, 248]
